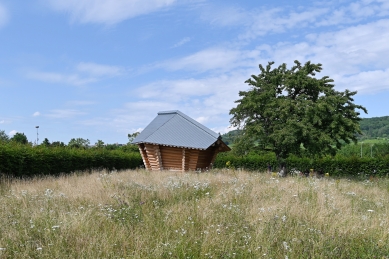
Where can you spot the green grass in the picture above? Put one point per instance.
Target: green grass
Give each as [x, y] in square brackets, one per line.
[218, 214]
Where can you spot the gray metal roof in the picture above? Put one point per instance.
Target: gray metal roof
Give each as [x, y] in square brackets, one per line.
[173, 128]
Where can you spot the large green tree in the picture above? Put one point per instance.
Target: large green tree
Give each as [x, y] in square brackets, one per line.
[3, 136]
[290, 111]
[19, 138]
[79, 143]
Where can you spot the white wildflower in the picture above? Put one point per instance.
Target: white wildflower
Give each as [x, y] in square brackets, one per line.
[48, 192]
[285, 244]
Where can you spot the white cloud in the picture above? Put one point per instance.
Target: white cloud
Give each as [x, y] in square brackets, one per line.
[36, 114]
[208, 100]
[12, 132]
[64, 114]
[73, 79]
[288, 19]
[4, 17]
[219, 58]
[278, 20]
[80, 103]
[2, 121]
[368, 82]
[98, 69]
[202, 119]
[224, 15]
[108, 12]
[84, 73]
[354, 12]
[181, 42]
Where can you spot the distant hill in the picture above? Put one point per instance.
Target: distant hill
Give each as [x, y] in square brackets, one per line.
[376, 127]
[230, 136]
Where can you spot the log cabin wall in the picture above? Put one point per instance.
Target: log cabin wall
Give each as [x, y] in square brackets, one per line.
[205, 158]
[193, 158]
[171, 158]
[156, 157]
[143, 153]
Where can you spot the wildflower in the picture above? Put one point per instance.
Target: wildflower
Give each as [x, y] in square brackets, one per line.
[370, 210]
[285, 244]
[228, 164]
[39, 248]
[48, 192]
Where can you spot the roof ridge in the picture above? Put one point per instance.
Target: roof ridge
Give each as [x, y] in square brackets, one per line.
[196, 123]
[160, 126]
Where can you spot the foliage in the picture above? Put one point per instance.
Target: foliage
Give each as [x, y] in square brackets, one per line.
[79, 143]
[19, 138]
[375, 127]
[335, 166]
[363, 149]
[287, 109]
[230, 137]
[58, 144]
[132, 136]
[24, 160]
[3, 136]
[99, 144]
[46, 142]
[251, 161]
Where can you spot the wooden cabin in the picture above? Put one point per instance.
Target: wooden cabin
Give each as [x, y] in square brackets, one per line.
[174, 141]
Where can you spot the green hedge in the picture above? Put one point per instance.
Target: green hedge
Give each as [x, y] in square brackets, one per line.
[335, 166]
[24, 160]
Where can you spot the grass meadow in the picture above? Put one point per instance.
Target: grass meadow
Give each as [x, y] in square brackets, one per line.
[217, 214]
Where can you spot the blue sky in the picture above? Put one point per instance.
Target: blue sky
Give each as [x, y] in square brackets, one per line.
[99, 69]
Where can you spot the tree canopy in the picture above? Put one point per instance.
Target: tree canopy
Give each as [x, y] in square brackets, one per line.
[79, 143]
[290, 111]
[19, 138]
[3, 136]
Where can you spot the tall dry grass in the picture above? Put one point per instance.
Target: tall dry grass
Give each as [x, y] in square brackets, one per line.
[218, 214]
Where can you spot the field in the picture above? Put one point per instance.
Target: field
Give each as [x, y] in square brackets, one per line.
[218, 214]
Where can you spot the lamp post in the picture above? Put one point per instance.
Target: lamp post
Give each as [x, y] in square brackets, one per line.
[361, 148]
[37, 135]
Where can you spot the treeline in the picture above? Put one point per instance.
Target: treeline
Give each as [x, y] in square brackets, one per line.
[21, 158]
[25, 160]
[377, 127]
